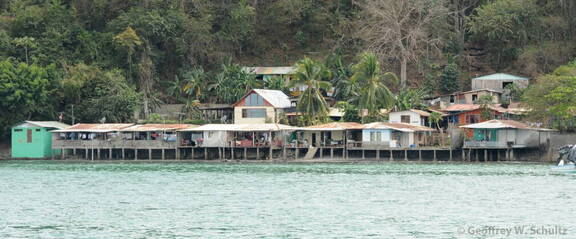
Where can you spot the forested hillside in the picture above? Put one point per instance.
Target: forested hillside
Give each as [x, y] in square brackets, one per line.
[111, 57]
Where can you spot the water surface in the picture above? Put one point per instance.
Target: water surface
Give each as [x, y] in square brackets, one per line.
[46, 199]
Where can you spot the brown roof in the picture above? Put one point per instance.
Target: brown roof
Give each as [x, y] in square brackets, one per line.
[397, 126]
[461, 107]
[156, 127]
[337, 125]
[94, 128]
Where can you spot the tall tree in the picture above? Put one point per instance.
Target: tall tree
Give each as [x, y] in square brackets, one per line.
[129, 40]
[373, 94]
[311, 103]
[400, 29]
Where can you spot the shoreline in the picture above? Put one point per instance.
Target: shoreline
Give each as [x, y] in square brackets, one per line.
[307, 161]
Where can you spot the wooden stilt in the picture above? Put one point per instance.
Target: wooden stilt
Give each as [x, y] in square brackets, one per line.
[271, 153]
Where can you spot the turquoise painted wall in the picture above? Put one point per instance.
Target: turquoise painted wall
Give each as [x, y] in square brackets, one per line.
[39, 147]
[483, 134]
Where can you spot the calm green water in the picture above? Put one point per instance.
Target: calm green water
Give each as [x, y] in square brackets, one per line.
[43, 199]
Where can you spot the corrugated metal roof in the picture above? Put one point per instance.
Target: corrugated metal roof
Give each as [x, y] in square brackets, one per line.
[335, 126]
[96, 128]
[241, 127]
[419, 112]
[500, 76]
[398, 126]
[282, 70]
[156, 127]
[470, 107]
[501, 124]
[46, 124]
[275, 97]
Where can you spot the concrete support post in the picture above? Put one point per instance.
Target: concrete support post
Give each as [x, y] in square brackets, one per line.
[321, 152]
[257, 153]
[123, 153]
[135, 154]
[331, 153]
[284, 153]
[512, 155]
[99, 154]
[419, 155]
[450, 159]
[405, 155]
[296, 153]
[92, 154]
[391, 155]
[205, 153]
[63, 155]
[110, 154]
[463, 155]
[476, 156]
[177, 152]
[245, 154]
[485, 155]
[378, 154]
[149, 154]
[232, 153]
[163, 154]
[271, 153]
[435, 157]
[363, 156]
[192, 153]
[86, 153]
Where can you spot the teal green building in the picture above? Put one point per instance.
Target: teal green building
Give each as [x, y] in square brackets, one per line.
[32, 139]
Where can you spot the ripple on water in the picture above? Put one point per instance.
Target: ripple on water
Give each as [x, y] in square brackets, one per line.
[157, 200]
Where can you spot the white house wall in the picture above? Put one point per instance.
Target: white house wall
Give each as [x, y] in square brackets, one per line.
[396, 117]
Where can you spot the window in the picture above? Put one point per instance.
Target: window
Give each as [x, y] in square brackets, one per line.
[253, 113]
[474, 97]
[452, 99]
[17, 130]
[506, 84]
[254, 100]
[472, 119]
[375, 136]
[37, 130]
[405, 119]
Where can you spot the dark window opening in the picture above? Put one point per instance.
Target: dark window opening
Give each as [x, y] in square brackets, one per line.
[452, 99]
[474, 97]
[506, 84]
[17, 130]
[405, 119]
[253, 113]
[37, 130]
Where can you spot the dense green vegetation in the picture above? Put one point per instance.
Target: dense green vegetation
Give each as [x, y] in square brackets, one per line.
[108, 57]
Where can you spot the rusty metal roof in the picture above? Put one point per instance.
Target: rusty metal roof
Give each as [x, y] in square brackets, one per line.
[461, 107]
[336, 126]
[240, 127]
[398, 126]
[156, 127]
[44, 124]
[96, 128]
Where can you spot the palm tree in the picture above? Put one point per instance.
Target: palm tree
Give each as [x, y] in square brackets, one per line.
[195, 83]
[373, 94]
[311, 102]
[175, 89]
[276, 83]
[410, 99]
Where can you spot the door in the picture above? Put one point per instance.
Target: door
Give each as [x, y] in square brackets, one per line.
[28, 136]
[314, 139]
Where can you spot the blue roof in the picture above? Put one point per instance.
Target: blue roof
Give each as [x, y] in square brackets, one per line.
[500, 76]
